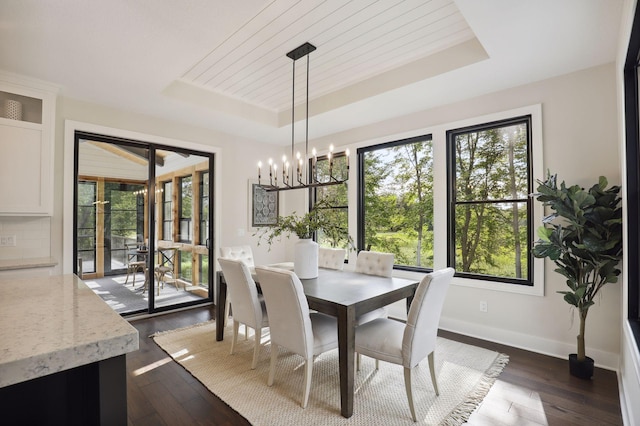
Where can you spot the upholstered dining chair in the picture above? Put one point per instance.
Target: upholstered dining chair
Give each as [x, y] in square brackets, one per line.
[331, 258]
[291, 325]
[379, 264]
[243, 253]
[408, 344]
[247, 308]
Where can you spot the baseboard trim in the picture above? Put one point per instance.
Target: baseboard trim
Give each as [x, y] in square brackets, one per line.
[606, 360]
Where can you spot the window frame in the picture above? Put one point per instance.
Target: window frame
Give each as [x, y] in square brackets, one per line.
[452, 203]
[167, 223]
[632, 161]
[181, 218]
[313, 192]
[204, 220]
[360, 242]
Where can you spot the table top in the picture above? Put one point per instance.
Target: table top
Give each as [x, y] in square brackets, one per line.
[56, 323]
[347, 288]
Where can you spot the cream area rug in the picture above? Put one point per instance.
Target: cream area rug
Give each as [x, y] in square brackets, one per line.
[465, 374]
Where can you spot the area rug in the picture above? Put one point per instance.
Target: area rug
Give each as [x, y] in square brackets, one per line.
[465, 374]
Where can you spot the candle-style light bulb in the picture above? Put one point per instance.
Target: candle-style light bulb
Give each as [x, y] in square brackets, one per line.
[331, 148]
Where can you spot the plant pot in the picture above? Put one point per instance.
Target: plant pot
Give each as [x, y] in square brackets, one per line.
[305, 262]
[580, 369]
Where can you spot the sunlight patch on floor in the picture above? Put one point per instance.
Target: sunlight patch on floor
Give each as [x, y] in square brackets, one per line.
[151, 366]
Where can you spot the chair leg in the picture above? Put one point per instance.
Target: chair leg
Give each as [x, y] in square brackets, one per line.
[256, 347]
[377, 364]
[236, 327]
[433, 373]
[407, 385]
[226, 310]
[308, 370]
[272, 367]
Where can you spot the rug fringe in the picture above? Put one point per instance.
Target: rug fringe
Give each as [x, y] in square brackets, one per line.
[200, 324]
[462, 412]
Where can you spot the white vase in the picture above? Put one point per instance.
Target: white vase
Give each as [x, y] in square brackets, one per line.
[305, 263]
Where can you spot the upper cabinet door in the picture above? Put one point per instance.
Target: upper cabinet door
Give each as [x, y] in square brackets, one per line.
[27, 122]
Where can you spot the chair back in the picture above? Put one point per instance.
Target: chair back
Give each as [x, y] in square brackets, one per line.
[243, 253]
[331, 258]
[243, 292]
[288, 310]
[375, 263]
[420, 333]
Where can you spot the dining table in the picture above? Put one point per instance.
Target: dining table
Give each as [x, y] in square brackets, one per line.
[344, 295]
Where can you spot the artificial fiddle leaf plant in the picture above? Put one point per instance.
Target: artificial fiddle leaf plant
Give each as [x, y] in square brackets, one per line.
[583, 237]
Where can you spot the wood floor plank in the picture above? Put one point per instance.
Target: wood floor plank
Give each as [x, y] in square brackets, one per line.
[533, 389]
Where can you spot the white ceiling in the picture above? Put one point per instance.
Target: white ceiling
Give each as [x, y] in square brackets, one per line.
[221, 64]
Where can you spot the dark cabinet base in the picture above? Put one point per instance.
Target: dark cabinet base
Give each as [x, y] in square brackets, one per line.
[92, 394]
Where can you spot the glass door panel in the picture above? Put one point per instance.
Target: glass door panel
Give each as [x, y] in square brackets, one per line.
[182, 211]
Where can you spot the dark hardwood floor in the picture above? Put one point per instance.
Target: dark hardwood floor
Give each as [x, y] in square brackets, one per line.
[533, 388]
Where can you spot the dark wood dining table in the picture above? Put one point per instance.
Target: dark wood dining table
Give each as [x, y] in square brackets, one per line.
[344, 295]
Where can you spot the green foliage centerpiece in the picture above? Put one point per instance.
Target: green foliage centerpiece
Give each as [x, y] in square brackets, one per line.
[319, 218]
[583, 237]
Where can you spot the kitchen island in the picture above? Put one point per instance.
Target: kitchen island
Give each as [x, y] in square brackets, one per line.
[62, 353]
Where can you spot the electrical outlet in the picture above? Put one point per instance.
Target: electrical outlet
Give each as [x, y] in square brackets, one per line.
[7, 241]
[483, 306]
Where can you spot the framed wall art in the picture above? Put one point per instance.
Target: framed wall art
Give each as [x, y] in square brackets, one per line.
[264, 206]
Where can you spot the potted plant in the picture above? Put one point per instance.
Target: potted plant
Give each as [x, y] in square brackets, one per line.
[304, 227]
[583, 237]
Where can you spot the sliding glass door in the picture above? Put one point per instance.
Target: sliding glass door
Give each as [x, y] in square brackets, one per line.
[142, 226]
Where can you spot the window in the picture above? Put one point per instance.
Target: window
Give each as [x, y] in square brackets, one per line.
[333, 200]
[204, 208]
[490, 213]
[123, 221]
[395, 203]
[185, 265]
[86, 225]
[167, 211]
[185, 211]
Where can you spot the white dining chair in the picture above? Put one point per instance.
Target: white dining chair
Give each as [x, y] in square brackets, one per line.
[408, 344]
[378, 264]
[291, 325]
[331, 258]
[243, 253]
[247, 308]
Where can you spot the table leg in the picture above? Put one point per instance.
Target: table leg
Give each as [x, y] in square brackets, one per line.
[221, 300]
[346, 350]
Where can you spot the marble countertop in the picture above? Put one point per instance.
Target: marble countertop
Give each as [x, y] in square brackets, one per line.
[56, 323]
[36, 262]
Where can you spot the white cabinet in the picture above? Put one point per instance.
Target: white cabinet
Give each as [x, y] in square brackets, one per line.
[27, 120]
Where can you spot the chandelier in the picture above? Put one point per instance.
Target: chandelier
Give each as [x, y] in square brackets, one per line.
[301, 171]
